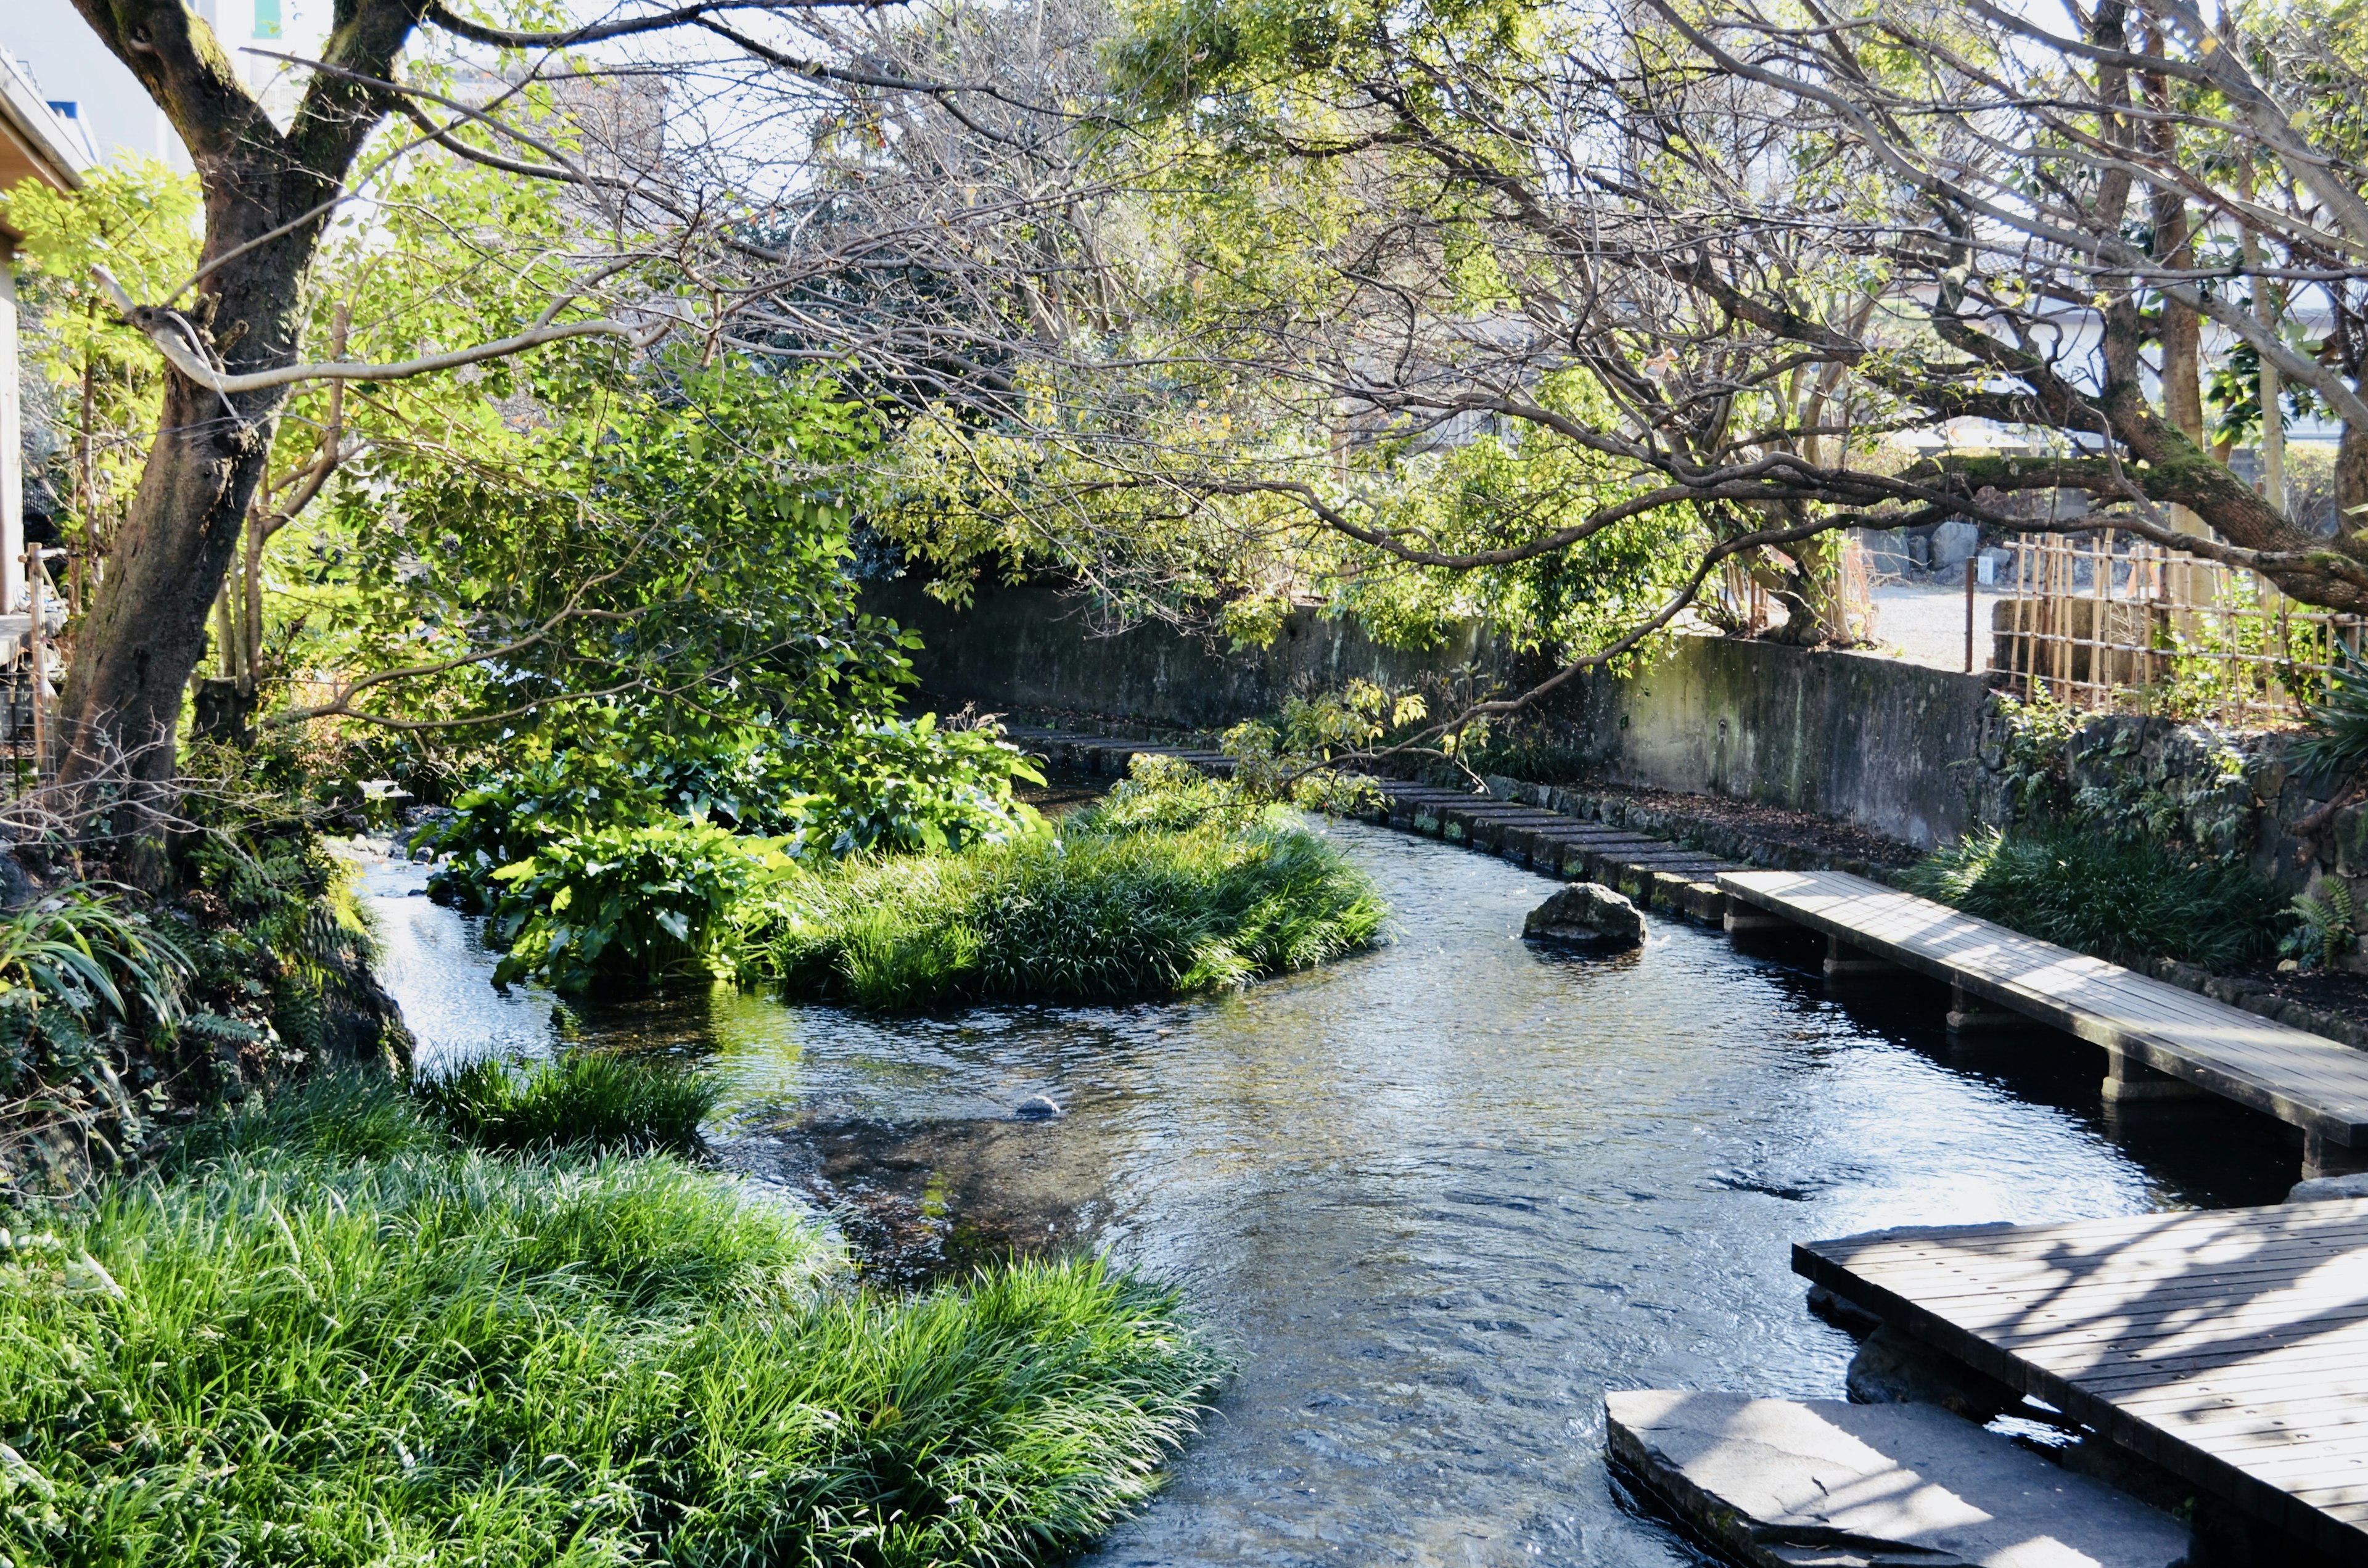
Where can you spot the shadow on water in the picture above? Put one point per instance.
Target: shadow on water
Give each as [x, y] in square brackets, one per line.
[1440, 1196]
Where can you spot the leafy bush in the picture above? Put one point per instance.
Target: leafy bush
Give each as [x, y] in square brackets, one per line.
[83, 983]
[280, 954]
[1162, 794]
[295, 1355]
[593, 1098]
[907, 784]
[2129, 900]
[1117, 906]
[2334, 746]
[874, 783]
[627, 904]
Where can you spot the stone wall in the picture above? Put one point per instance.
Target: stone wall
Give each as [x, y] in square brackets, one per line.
[1912, 752]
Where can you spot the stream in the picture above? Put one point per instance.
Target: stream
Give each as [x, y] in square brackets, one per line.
[1436, 1197]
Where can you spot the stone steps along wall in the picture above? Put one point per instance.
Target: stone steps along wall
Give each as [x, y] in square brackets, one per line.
[1651, 871]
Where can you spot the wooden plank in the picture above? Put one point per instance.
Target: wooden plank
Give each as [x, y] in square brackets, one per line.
[2303, 1079]
[2230, 1345]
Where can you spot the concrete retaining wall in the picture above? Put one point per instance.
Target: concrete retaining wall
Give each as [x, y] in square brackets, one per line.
[1023, 649]
[1885, 745]
[1889, 745]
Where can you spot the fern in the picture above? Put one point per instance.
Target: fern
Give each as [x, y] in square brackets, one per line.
[2327, 921]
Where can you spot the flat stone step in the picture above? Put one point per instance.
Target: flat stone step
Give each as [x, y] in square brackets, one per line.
[1788, 1484]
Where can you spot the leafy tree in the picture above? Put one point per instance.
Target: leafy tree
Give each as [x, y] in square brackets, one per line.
[139, 220]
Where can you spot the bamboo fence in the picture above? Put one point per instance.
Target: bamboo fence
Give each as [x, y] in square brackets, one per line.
[2106, 622]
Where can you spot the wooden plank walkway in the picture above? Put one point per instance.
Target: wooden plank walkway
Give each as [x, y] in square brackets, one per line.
[2305, 1080]
[2229, 1346]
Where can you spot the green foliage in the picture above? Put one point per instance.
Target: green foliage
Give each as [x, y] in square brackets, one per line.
[1162, 794]
[683, 532]
[2329, 923]
[591, 1098]
[864, 784]
[1165, 890]
[2034, 763]
[138, 219]
[909, 784]
[628, 861]
[278, 947]
[285, 1351]
[631, 904]
[2125, 899]
[84, 984]
[2334, 746]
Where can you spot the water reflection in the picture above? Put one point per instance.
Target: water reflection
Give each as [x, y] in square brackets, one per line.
[1440, 1196]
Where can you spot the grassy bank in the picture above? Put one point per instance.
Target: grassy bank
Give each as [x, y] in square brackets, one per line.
[2129, 901]
[332, 1332]
[1172, 886]
[1176, 882]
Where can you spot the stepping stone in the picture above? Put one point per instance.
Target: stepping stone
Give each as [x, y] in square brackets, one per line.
[1792, 1484]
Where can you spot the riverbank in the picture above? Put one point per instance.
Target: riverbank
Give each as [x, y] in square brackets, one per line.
[328, 1330]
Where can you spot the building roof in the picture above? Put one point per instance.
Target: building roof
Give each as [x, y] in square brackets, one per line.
[36, 142]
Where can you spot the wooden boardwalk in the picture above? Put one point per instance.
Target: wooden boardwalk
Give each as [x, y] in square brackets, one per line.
[2229, 1346]
[2305, 1080]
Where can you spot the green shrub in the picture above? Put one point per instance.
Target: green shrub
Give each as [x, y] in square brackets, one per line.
[1162, 794]
[635, 904]
[2128, 901]
[86, 984]
[294, 1355]
[1115, 907]
[593, 1098]
[2334, 743]
[871, 783]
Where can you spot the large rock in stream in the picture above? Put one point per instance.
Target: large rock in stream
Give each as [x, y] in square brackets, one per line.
[1586, 915]
[1792, 1483]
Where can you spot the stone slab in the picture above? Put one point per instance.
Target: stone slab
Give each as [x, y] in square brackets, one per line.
[2324, 1189]
[1819, 1483]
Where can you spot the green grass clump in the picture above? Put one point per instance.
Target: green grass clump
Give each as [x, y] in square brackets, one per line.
[2124, 901]
[1101, 913]
[297, 1345]
[587, 1097]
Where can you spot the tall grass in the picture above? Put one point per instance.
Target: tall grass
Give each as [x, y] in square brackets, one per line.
[2124, 901]
[303, 1344]
[632, 1103]
[1096, 914]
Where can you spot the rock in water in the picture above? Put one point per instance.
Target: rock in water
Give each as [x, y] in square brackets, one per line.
[1586, 915]
[1036, 1107]
[2322, 1189]
[1892, 1368]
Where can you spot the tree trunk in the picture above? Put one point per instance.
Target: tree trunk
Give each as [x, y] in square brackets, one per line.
[147, 634]
[266, 189]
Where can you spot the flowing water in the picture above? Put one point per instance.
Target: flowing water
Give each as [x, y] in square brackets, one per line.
[1438, 1198]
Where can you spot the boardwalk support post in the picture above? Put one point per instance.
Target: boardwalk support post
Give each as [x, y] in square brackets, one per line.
[1846, 963]
[2128, 1079]
[2323, 1156]
[1966, 1014]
